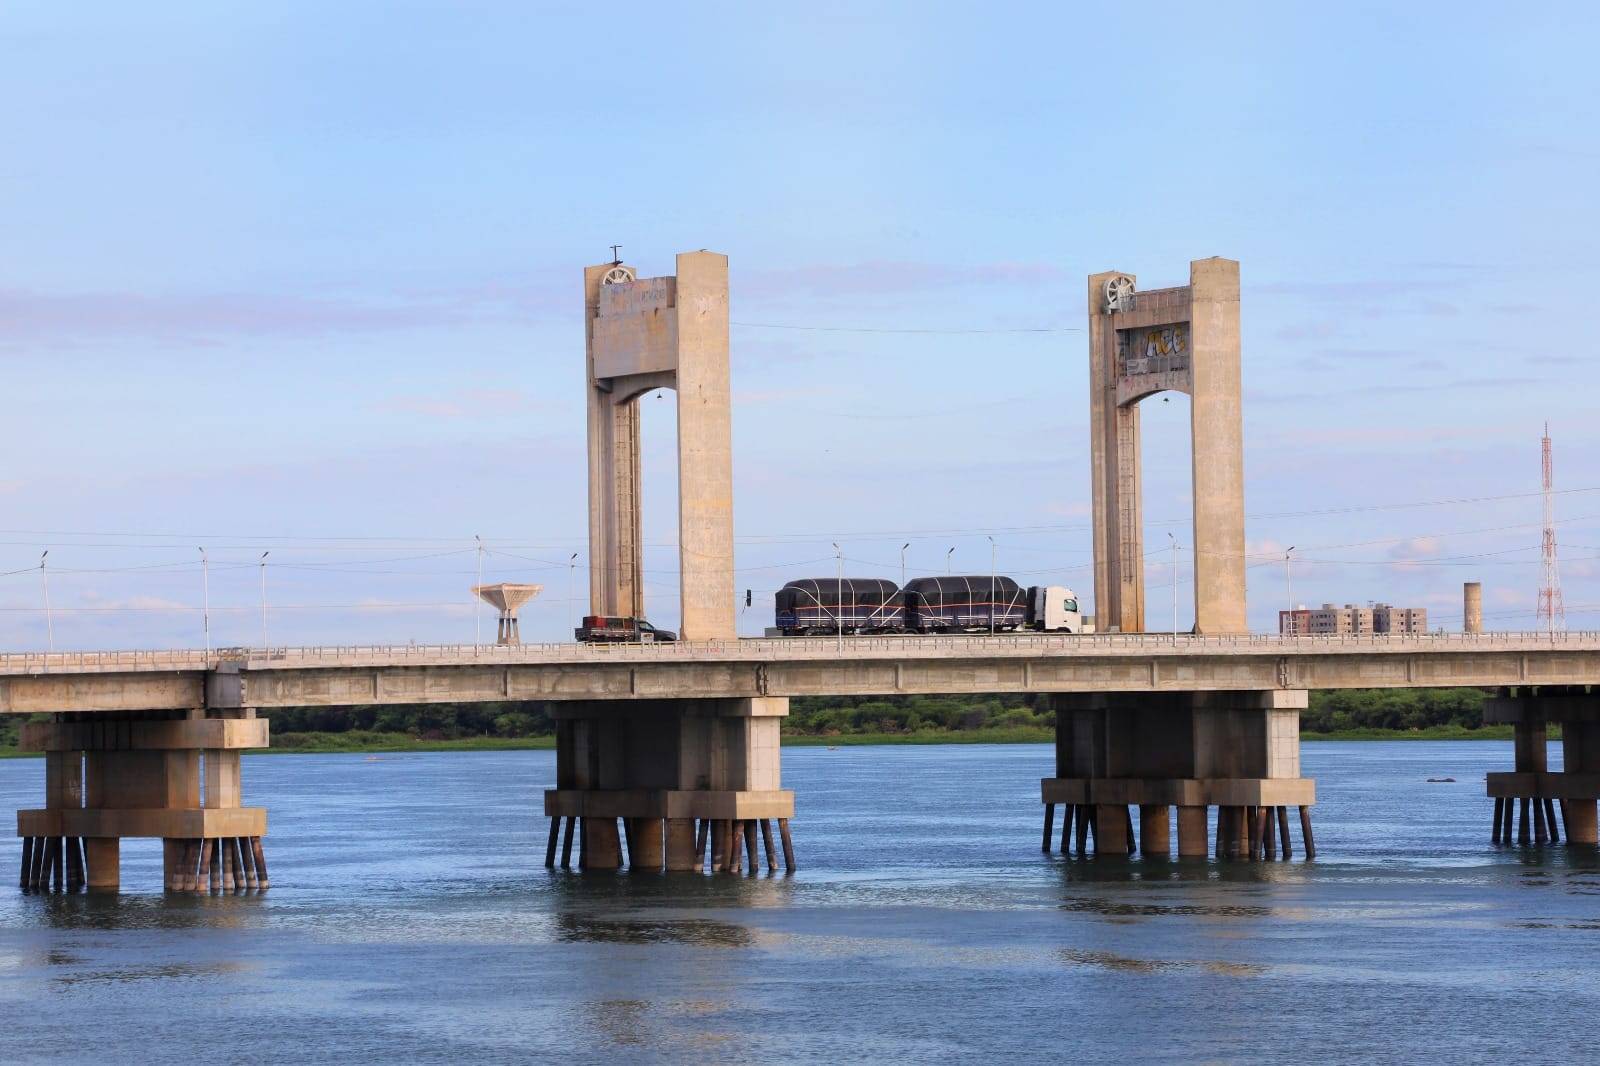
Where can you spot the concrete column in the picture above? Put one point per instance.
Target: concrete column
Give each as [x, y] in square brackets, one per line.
[1472, 607]
[1529, 745]
[1114, 469]
[222, 778]
[681, 853]
[1581, 821]
[705, 448]
[1192, 843]
[1580, 747]
[1580, 754]
[103, 855]
[602, 846]
[1216, 424]
[1111, 829]
[646, 849]
[1155, 830]
[615, 585]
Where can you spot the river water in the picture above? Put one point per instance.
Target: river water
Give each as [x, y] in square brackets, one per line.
[411, 919]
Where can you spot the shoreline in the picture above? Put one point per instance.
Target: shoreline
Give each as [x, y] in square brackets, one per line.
[355, 743]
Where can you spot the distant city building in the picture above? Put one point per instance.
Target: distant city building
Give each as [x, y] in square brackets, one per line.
[1352, 620]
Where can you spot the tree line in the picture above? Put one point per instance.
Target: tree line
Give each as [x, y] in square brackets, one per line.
[1332, 711]
[824, 716]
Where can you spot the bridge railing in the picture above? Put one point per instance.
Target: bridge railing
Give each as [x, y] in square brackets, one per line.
[782, 648]
[910, 645]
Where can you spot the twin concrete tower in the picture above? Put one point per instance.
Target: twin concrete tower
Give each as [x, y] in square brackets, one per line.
[1140, 343]
[672, 332]
[645, 334]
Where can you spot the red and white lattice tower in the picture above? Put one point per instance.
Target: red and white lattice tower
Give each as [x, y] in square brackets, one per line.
[1552, 615]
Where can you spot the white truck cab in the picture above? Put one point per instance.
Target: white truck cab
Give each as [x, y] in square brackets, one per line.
[1054, 609]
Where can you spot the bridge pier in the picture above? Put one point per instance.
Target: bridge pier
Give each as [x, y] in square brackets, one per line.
[1236, 751]
[167, 774]
[1531, 787]
[682, 776]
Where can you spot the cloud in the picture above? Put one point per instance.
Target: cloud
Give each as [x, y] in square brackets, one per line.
[1372, 298]
[1377, 435]
[1349, 291]
[200, 318]
[881, 277]
[470, 403]
[1415, 548]
[782, 395]
[99, 603]
[1393, 388]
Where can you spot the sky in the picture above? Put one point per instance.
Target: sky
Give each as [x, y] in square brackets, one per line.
[305, 279]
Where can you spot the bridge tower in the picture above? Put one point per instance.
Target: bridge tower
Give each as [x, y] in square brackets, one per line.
[1186, 340]
[1236, 751]
[684, 778]
[645, 334]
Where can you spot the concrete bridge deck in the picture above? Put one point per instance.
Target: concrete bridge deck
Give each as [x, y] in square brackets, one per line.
[953, 664]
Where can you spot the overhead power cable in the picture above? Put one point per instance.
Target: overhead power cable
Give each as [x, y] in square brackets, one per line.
[882, 329]
[186, 541]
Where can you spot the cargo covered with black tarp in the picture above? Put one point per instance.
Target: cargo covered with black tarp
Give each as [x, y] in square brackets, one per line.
[971, 602]
[823, 604]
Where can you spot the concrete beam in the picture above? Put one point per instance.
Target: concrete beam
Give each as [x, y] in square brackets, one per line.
[667, 803]
[150, 822]
[1544, 785]
[1225, 792]
[212, 733]
[68, 691]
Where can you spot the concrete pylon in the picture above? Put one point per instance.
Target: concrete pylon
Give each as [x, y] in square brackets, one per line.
[1237, 751]
[173, 775]
[645, 334]
[680, 775]
[1186, 340]
[508, 599]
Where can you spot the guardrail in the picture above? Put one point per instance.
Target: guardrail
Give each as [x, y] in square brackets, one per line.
[786, 648]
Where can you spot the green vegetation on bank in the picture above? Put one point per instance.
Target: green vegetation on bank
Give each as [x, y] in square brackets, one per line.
[1357, 714]
[365, 740]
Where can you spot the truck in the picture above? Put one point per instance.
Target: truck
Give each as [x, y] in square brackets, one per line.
[615, 629]
[1054, 609]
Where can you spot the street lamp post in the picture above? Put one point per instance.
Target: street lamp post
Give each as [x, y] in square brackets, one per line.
[477, 607]
[1174, 541]
[903, 548]
[264, 644]
[1288, 588]
[205, 590]
[572, 588]
[838, 607]
[49, 620]
[991, 586]
[947, 555]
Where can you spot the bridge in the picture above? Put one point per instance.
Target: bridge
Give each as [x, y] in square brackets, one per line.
[99, 683]
[673, 749]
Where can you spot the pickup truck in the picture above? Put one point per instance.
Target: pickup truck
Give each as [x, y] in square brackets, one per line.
[610, 629]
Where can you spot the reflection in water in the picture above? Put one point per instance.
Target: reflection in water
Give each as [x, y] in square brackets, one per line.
[1111, 908]
[925, 926]
[1107, 961]
[702, 932]
[154, 972]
